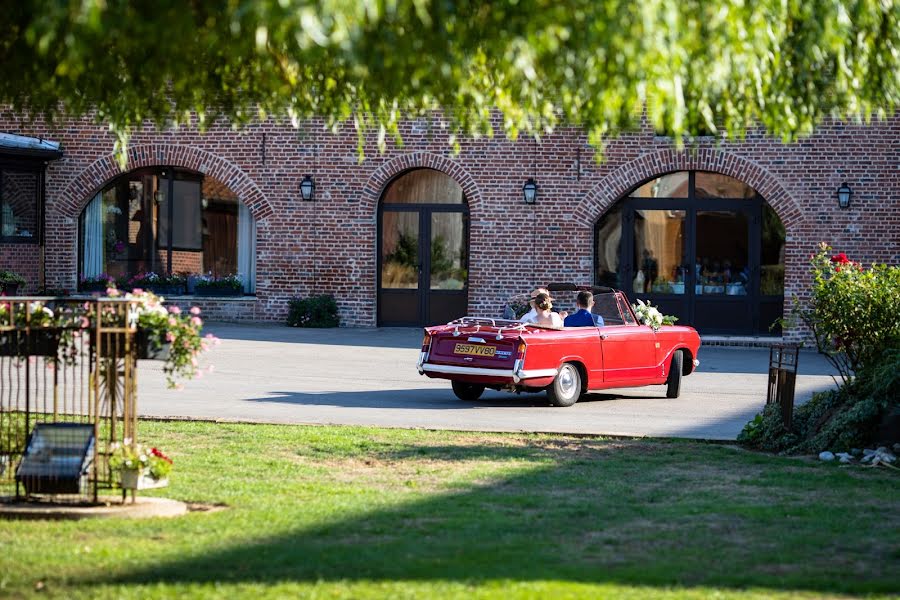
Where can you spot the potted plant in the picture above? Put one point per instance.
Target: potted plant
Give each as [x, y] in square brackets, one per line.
[43, 339]
[167, 334]
[100, 283]
[229, 285]
[158, 284]
[138, 468]
[10, 282]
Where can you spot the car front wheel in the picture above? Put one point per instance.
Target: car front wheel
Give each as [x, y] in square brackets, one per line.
[467, 391]
[673, 383]
[566, 388]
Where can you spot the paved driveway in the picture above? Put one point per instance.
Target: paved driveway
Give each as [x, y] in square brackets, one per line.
[368, 377]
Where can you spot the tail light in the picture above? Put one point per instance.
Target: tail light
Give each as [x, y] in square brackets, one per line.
[426, 342]
[521, 353]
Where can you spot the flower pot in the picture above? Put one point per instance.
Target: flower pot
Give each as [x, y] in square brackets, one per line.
[10, 289]
[218, 291]
[144, 346]
[134, 479]
[40, 343]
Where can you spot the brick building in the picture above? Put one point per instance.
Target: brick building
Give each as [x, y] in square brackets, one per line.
[718, 234]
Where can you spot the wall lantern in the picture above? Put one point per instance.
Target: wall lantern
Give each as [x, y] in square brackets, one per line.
[307, 188]
[844, 193]
[529, 190]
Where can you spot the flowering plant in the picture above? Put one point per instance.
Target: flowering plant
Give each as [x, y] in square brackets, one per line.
[41, 316]
[149, 278]
[851, 311]
[234, 282]
[134, 457]
[180, 330]
[103, 279]
[648, 314]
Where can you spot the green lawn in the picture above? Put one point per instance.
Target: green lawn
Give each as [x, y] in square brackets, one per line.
[358, 513]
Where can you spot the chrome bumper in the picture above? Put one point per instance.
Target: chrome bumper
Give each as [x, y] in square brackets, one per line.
[516, 374]
[696, 363]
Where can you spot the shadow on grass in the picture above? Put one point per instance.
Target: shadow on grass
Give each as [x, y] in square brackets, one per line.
[643, 515]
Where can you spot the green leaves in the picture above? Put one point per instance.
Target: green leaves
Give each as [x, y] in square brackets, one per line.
[696, 67]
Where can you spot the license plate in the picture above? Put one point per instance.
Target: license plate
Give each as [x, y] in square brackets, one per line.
[474, 350]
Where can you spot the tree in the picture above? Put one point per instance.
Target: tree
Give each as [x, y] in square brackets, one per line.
[693, 65]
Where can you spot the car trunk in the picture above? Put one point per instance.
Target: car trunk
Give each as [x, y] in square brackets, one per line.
[481, 349]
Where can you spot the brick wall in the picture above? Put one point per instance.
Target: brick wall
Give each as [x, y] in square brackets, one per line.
[328, 246]
[23, 259]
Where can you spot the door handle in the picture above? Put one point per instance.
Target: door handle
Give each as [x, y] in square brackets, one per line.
[603, 336]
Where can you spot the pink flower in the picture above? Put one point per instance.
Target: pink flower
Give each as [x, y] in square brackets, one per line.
[195, 310]
[199, 374]
[85, 323]
[196, 321]
[193, 361]
[137, 291]
[172, 322]
[174, 310]
[112, 292]
[170, 337]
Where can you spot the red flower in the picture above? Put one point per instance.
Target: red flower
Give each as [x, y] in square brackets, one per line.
[840, 259]
[159, 454]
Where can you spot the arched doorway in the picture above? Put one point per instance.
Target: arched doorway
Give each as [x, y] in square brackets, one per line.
[423, 250]
[167, 221]
[702, 246]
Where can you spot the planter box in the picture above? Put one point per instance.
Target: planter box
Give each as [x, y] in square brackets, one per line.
[114, 346]
[95, 287]
[135, 480]
[218, 291]
[165, 290]
[39, 343]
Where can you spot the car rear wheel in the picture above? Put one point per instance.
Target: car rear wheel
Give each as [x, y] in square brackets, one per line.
[467, 391]
[566, 388]
[673, 383]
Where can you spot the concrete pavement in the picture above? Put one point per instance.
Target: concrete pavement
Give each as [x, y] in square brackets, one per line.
[276, 374]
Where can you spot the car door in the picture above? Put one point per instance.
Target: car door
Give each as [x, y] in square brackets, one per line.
[629, 349]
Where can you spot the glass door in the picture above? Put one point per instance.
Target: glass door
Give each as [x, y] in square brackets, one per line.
[722, 271]
[400, 248]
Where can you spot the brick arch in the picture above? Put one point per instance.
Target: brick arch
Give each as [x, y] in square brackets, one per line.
[95, 176]
[616, 184]
[384, 174]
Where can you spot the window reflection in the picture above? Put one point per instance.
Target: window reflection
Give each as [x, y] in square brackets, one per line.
[771, 279]
[125, 229]
[448, 251]
[659, 248]
[400, 250]
[716, 185]
[607, 248]
[673, 185]
[19, 198]
[722, 253]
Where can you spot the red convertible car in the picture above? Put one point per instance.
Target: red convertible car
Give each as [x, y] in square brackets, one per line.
[475, 353]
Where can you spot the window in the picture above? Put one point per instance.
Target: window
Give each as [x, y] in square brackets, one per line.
[167, 221]
[20, 197]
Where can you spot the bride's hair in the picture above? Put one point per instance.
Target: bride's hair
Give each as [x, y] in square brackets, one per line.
[542, 301]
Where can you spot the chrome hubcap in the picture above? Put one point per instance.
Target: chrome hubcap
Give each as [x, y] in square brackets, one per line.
[567, 382]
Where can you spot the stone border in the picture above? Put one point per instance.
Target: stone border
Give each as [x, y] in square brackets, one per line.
[144, 507]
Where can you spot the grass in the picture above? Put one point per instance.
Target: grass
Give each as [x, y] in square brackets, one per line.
[346, 512]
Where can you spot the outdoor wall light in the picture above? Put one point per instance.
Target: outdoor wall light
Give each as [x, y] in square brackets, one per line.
[844, 193]
[307, 188]
[529, 190]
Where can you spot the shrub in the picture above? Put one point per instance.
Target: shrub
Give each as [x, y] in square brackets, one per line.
[315, 311]
[852, 314]
[852, 311]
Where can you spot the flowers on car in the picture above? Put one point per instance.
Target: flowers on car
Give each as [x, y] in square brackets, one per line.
[649, 315]
[135, 457]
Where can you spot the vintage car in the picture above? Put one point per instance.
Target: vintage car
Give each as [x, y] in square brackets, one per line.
[475, 353]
